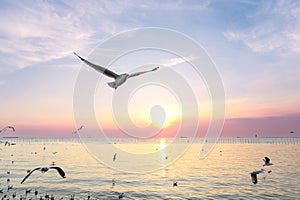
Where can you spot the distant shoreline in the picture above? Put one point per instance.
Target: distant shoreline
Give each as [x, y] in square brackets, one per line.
[196, 140]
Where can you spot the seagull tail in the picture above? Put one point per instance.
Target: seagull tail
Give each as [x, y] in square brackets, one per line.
[112, 85]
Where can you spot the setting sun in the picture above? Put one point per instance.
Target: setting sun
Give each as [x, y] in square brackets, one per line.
[162, 143]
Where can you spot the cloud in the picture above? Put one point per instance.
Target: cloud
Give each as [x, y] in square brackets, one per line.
[176, 61]
[35, 31]
[40, 31]
[272, 27]
[172, 5]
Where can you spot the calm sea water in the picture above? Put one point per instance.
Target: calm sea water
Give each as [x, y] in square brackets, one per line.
[223, 174]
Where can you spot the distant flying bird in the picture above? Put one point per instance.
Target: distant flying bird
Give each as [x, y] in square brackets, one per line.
[7, 127]
[254, 174]
[9, 187]
[267, 162]
[45, 169]
[7, 143]
[119, 78]
[115, 157]
[76, 131]
[175, 184]
[27, 191]
[121, 196]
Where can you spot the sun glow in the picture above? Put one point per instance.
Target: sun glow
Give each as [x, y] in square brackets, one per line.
[162, 143]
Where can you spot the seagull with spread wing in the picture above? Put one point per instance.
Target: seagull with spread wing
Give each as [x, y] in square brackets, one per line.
[119, 78]
[267, 162]
[76, 131]
[7, 127]
[254, 174]
[7, 143]
[45, 169]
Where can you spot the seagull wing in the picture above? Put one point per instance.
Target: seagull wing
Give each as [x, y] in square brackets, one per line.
[254, 178]
[38, 168]
[143, 72]
[267, 160]
[98, 68]
[11, 128]
[60, 171]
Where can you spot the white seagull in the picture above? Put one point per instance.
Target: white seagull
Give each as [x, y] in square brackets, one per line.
[5, 128]
[119, 78]
[267, 162]
[45, 169]
[254, 174]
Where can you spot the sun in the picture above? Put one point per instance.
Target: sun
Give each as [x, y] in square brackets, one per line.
[164, 116]
[162, 143]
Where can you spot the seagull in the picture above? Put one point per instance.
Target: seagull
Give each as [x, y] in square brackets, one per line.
[121, 196]
[175, 184]
[45, 169]
[119, 78]
[6, 127]
[254, 174]
[76, 131]
[7, 143]
[9, 187]
[27, 191]
[267, 162]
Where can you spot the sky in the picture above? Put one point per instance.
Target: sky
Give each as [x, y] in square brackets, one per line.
[255, 46]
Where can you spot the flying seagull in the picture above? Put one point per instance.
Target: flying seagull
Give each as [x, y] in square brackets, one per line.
[119, 78]
[254, 174]
[121, 196]
[175, 184]
[7, 143]
[76, 131]
[5, 128]
[267, 162]
[45, 169]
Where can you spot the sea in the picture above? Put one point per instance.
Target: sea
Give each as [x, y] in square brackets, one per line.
[94, 171]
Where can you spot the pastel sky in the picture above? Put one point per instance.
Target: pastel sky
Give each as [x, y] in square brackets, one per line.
[254, 44]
